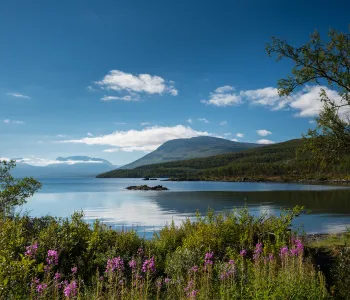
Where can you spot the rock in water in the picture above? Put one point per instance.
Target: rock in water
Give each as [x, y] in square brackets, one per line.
[146, 188]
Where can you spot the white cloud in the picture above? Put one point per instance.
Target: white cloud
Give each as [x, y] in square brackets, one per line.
[90, 89]
[263, 132]
[267, 97]
[145, 123]
[119, 123]
[189, 121]
[120, 81]
[204, 120]
[264, 142]
[147, 139]
[124, 98]
[60, 135]
[8, 121]
[89, 134]
[17, 95]
[308, 102]
[234, 140]
[227, 133]
[223, 96]
[240, 135]
[223, 123]
[36, 161]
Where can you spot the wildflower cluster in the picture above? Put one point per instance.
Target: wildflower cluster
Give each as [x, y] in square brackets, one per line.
[52, 257]
[229, 270]
[70, 289]
[31, 250]
[115, 264]
[149, 265]
[208, 260]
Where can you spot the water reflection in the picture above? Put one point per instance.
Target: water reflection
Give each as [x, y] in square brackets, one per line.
[149, 211]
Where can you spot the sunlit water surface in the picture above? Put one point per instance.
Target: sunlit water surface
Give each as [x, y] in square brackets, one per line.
[328, 207]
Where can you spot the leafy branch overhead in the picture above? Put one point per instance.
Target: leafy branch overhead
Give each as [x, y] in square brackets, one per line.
[322, 63]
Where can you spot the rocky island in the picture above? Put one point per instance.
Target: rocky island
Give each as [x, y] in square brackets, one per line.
[146, 188]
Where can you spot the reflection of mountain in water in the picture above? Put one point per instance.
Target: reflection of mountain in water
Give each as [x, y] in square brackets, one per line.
[318, 202]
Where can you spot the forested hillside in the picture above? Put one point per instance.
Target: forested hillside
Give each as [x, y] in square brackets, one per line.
[196, 147]
[275, 162]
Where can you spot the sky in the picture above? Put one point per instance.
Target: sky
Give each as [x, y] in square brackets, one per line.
[116, 79]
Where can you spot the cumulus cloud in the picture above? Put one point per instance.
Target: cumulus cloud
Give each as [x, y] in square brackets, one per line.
[223, 123]
[263, 132]
[234, 140]
[204, 120]
[8, 121]
[147, 139]
[267, 97]
[18, 95]
[134, 85]
[124, 98]
[189, 121]
[223, 96]
[306, 102]
[36, 161]
[264, 142]
[240, 135]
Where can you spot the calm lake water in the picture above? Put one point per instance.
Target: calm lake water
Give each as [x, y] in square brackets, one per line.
[148, 211]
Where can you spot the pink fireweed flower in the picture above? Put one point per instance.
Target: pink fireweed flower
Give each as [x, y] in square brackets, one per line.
[208, 259]
[243, 253]
[284, 251]
[231, 262]
[115, 264]
[159, 283]
[132, 264]
[258, 250]
[189, 286]
[140, 252]
[57, 276]
[52, 257]
[193, 294]
[167, 280]
[70, 290]
[194, 269]
[74, 270]
[31, 250]
[41, 287]
[149, 265]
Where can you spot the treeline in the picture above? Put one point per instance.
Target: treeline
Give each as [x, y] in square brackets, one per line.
[275, 162]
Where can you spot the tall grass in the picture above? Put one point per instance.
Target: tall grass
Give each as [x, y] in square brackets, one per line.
[226, 256]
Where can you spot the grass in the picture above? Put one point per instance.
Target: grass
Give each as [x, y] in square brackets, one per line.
[231, 255]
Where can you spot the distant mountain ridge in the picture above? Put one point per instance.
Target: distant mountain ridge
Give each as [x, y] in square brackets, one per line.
[72, 166]
[196, 147]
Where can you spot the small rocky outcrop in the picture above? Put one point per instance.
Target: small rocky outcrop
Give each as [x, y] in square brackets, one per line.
[146, 188]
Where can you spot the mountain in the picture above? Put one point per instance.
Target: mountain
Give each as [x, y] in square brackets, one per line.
[196, 147]
[72, 166]
[276, 162]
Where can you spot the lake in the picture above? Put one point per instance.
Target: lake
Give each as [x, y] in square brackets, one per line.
[147, 211]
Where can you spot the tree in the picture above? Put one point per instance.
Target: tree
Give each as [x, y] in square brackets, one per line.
[14, 192]
[321, 63]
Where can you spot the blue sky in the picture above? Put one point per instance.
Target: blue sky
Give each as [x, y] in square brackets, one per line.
[71, 78]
